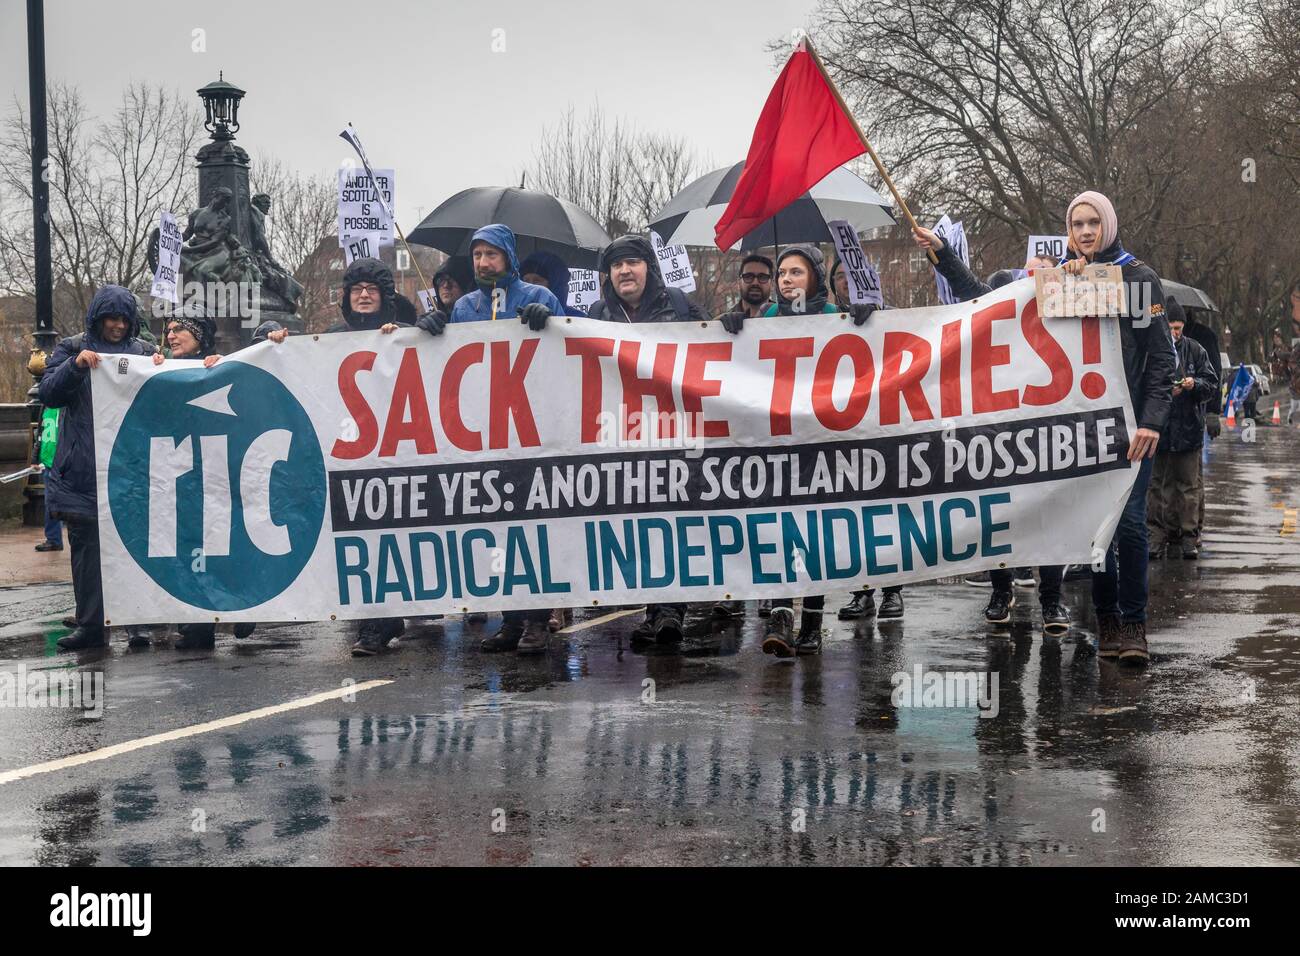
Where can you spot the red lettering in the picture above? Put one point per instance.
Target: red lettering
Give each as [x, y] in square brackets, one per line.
[658, 386]
[367, 426]
[895, 382]
[508, 398]
[1053, 356]
[984, 356]
[853, 347]
[449, 397]
[950, 370]
[591, 351]
[696, 387]
[786, 353]
[408, 392]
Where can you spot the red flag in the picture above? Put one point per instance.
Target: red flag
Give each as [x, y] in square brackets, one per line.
[802, 134]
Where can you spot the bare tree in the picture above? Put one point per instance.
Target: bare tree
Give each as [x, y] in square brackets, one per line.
[304, 208]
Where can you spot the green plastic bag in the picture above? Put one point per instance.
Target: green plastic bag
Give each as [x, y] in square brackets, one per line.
[49, 435]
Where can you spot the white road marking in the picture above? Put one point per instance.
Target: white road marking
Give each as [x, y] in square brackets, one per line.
[613, 616]
[104, 753]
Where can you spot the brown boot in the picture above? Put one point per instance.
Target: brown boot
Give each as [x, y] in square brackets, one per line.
[1133, 643]
[561, 618]
[1108, 636]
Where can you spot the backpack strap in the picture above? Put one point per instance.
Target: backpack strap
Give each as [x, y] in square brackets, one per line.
[681, 305]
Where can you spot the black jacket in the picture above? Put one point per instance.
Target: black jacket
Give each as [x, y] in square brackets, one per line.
[657, 300]
[1185, 428]
[965, 284]
[394, 307]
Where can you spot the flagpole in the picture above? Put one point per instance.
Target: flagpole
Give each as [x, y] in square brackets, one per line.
[880, 167]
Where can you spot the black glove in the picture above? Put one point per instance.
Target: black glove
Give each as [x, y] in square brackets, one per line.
[435, 322]
[1213, 425]
[534, 315]
[861, 313]
[733, 322]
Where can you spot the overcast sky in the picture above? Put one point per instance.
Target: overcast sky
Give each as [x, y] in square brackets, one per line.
[419, 80]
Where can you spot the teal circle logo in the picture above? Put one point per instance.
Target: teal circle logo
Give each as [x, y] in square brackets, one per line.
[217, 486]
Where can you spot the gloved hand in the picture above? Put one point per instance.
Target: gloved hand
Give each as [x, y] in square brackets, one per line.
[733, 322]
[534, 315]
[1213, 425]
[861, 313]
[435, 322]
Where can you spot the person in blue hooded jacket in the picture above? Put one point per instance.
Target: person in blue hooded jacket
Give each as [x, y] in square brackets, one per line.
[549, 271]
[502, 294]
[496, 271]
[112, 327]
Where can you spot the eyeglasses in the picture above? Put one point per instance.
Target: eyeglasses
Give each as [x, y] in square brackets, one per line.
[366, 287]
[756, 277]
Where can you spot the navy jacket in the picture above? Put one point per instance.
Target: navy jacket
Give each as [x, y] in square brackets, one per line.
[70, 482]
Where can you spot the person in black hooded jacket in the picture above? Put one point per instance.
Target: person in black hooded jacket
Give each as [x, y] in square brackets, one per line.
[371, 302]
[454, 278]
[1172, 501]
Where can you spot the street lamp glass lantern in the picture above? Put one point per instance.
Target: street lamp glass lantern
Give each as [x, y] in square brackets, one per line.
[221, 103]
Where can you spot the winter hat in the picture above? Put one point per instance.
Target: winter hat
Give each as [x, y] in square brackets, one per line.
[1109, 222]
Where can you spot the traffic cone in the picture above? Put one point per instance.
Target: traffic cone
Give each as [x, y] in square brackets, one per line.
[1232, 418]
[1277, 413]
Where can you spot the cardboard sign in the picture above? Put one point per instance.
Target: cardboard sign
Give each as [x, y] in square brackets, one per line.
[167, 276]
[1053, 247]
[584, 288]
[955, 235]
[1099, 290]
[864, 282]
[428, 300]
[364, 204]
[361, 246]
[674, 264]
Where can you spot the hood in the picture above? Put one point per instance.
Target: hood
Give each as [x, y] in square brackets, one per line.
[265, 329]
[820, 295]
[551, 266]
[203, 328]
[459, 269]
[625, 247]
[368, 270]
[503, 238]
[112, 300]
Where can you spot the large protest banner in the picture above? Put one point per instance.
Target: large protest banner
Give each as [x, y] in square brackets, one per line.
[599, 464]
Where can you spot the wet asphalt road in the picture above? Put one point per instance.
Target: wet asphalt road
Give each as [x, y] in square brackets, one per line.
[737, 759]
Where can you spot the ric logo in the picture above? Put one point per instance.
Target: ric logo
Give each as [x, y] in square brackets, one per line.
[217, 486]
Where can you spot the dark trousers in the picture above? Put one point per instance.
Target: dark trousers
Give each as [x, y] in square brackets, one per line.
[83, 537]
[1172, 500]
[892, 589]
[1121, 587]
[1049, 582]
[814, 603]
[523, 617]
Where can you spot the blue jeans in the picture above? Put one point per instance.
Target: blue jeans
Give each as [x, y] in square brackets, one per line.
[53, 526]
[1121, 589]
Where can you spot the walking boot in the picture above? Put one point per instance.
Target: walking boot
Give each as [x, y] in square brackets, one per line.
[244, 629]
[560, 618]
[536, 638]
[1108, 636]
[373, 635]
[507, 637]
[860, 605]
[780, 633]
[668, 627]
[809, 640]
[83, 638]
[197, 637]
[1133, 643]
[891, 606]
[137, 636]
[765, 607]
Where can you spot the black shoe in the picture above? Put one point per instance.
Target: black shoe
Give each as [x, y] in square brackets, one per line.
[644, 633]
[373, 635]
[1133, 643]
[780, 633]
[891, 606]
[536, 638]
[999, 609]
[725, 610]
[809, 640]
[83, 638]
[69, 621]
[137, 637]
[476, 617]
[507, 638]
[50, 546]
[668, 627]
[1190, 552]
[1024, 578]
[765, 607]
[1056, 619]
[981, 580]
[244, 629]
[862, 604]
[197, 637]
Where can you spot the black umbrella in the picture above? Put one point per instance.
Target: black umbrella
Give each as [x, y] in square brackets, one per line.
[689, 217]
[540, 223]
[1189, 297]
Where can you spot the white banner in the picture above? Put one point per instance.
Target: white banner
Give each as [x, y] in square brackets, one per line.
[1053, 247]
[674, 264]
[364, 205]
[596, 464]
[167, 277]
[954, 234]
[864, 282]
[584, 288]
[364, 245]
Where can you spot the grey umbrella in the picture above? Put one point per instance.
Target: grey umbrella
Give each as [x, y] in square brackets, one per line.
[1187, 296]
[689, 217]
[538, 219]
